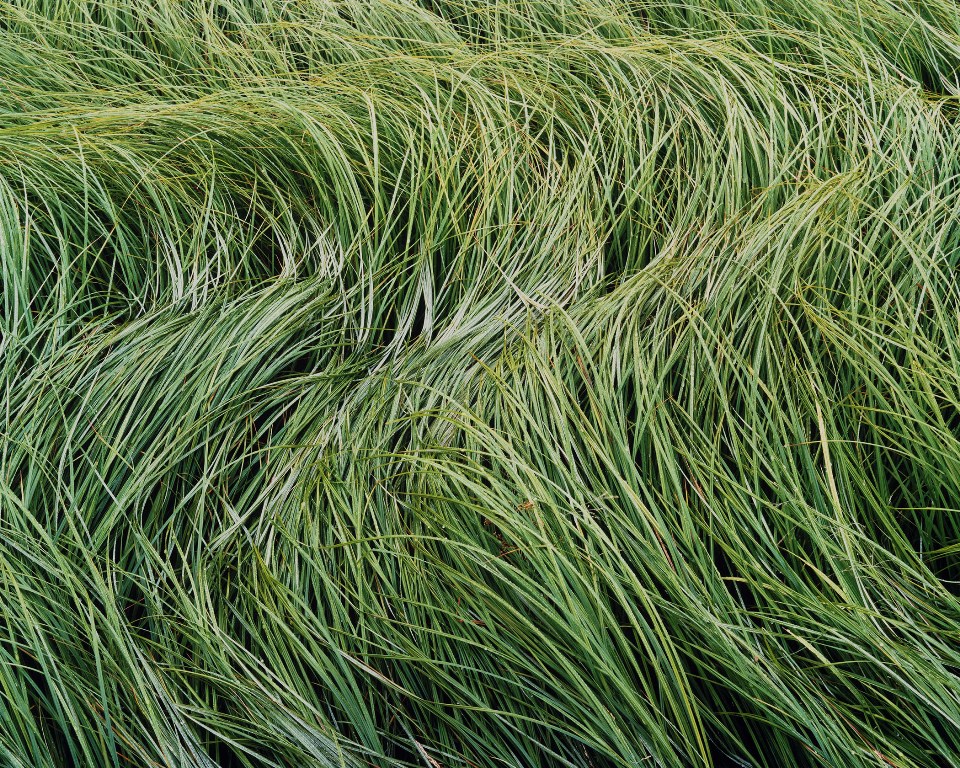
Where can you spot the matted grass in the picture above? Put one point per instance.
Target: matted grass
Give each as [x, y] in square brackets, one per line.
[480, 384]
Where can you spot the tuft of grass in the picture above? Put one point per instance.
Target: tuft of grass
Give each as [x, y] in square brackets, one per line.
[466, 384]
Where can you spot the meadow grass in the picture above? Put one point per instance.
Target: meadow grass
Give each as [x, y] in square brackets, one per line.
[471, 384]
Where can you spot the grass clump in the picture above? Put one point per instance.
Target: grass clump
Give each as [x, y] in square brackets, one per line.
[480, 384]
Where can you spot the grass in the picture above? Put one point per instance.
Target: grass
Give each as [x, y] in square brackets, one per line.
[466, 384]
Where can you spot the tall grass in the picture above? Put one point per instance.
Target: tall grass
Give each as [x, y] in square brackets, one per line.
[480, 384]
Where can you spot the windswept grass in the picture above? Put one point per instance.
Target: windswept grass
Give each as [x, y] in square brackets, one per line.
[467, 384]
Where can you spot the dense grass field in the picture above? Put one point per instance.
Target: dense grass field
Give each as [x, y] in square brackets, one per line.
[480, 383]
